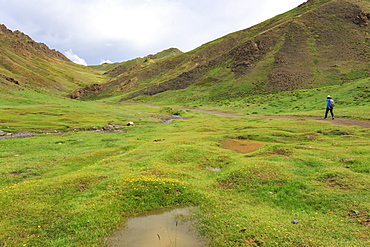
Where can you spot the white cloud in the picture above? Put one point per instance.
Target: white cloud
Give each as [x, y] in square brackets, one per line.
[74, 58]
[105, 61]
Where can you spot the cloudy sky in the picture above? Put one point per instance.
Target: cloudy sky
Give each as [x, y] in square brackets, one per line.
[96, 31]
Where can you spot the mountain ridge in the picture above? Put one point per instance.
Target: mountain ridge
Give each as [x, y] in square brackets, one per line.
[319, 43]
[21, 43]
[25, 63]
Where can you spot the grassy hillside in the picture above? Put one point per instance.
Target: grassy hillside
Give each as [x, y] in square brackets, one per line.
[320, 43]
[26, 64]
[352, 100]
[119, 71]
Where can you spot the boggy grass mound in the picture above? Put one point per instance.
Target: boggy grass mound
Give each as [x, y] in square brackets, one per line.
[155, 191]
[77, 188]
[270, 183]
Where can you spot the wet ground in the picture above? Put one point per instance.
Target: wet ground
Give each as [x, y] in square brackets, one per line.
[19, 135]
[24, 134]
[242, 146]
[166, 228]
[167, 119]
[158, 229]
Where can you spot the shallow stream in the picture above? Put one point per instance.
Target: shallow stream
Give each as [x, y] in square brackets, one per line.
[20, 135]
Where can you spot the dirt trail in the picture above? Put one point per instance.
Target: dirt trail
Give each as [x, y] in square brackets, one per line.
[337, 121]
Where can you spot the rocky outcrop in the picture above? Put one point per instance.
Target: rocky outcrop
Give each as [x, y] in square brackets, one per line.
[86, 91]
[9, 79]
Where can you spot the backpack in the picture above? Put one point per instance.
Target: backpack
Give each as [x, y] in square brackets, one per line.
[331, 103]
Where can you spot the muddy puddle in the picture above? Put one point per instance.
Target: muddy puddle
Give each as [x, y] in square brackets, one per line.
[214, 169]
[158, 229]
[242, 146]
[173, 119]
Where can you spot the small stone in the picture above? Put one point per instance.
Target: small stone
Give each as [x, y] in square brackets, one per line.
[366, 222]
[295, 221]
[346, 159]
[354, 213]
[108, 127]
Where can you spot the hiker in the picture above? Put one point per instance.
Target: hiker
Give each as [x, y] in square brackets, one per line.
[329, 107]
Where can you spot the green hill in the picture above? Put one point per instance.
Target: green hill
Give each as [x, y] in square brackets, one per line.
[319, 43]
[26, 64]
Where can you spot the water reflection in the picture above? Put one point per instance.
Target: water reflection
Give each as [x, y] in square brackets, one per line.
[158, 229]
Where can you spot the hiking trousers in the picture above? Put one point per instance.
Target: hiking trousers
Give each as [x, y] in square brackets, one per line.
[331, 112]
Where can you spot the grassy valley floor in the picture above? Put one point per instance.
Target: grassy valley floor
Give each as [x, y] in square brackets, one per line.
[76, 187]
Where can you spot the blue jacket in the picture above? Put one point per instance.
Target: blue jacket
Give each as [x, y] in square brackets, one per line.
[328, 103]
